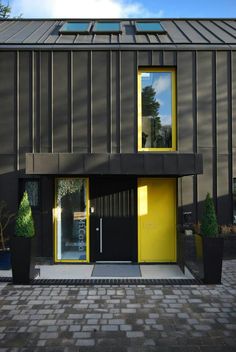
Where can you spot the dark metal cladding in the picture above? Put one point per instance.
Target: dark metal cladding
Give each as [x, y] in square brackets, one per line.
[168, 164]
[199, 32]
[69, 103]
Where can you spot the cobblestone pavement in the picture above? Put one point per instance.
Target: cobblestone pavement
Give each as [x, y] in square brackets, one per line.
[120, 318]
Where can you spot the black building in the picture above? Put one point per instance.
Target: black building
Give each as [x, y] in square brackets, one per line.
[117, 129]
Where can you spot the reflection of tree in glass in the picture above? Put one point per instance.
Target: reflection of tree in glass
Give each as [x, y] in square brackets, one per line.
[71, 198]
[150, 107]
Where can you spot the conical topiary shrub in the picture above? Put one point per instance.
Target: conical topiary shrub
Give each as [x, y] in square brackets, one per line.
[209, 226]
[24, 220]
[22, 244]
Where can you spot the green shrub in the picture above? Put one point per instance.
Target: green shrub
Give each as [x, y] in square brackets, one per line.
[24, 219]
[209, 226]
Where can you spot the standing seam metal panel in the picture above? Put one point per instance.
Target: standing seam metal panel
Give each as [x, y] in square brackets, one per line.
[108, 88]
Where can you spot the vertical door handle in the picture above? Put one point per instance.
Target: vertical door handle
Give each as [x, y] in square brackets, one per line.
[100, 235]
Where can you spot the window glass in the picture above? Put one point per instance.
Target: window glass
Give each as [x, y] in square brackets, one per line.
[71, 224]
[156, 110]
[149, 27]
[32, 188]
[75, 27]
[107, 27]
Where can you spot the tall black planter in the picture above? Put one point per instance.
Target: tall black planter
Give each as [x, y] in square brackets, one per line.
[22, 260]
[213, 248]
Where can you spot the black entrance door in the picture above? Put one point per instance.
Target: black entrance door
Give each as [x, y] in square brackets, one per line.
[113, 218]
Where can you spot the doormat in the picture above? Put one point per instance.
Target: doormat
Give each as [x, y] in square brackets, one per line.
[116, 270]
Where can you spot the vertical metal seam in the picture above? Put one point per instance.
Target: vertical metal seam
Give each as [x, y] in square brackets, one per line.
[110, 117]
[194, 92]
[90, 125]
[136, 104]
[119, 106]
[32, 102]
[161, 57]
[230, 129]
[214, 129]
[39, 103]
[71, 102]
[51, 98]
[196, 118]
[17, 111]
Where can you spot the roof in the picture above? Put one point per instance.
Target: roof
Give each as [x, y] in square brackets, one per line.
[179, 33]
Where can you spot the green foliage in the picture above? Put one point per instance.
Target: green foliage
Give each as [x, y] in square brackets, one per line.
[209, 226]
[5, 10]
[24, 220]
[5, 219]
[150, 106]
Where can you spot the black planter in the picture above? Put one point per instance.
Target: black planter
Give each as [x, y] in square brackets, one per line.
[213, 248]
[22, 260]
[5, 260]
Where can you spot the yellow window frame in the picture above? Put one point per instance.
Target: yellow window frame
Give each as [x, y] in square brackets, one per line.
[172, 70]
[56, 260]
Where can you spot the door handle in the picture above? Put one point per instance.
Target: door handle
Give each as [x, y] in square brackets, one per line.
[100, 223]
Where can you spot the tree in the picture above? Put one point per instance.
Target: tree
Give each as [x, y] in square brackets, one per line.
[150, 107]
[5, 10]
[209, 226]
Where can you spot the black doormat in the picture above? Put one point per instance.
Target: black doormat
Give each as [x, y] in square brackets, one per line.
[116, 270]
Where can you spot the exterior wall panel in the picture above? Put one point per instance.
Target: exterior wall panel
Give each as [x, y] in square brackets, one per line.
[157, 58]
[100, 102]
[7, 101]
[102, 112]
[185, 123]
[204, 62]
[128, 102]
[25, 105]
[223, 138]
[61, 112]
[44, 100]
[81, 102]
[145, 58]
[115, 101]
[233, 78]
[169, 58]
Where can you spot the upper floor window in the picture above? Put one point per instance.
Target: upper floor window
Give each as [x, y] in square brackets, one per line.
[156, 109]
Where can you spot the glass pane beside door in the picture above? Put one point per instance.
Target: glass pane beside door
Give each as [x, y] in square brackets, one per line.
[71, 219]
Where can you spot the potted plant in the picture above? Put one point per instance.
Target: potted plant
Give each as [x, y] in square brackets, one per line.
[5, 219]
[21, 244]
[212, 244]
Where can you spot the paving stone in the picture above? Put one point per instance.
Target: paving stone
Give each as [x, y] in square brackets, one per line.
[134, 334]
[48, 335]
[89, 342]
[110, 328]
[133, 318]
[81, 335]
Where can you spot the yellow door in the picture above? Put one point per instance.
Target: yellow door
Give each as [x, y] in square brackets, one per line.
[156, 220]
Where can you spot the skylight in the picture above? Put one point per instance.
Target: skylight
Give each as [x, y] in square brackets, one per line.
[107, 27]
[75, 27]
[149, 27]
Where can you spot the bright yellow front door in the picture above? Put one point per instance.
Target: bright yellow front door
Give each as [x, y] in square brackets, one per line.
[156, 220]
